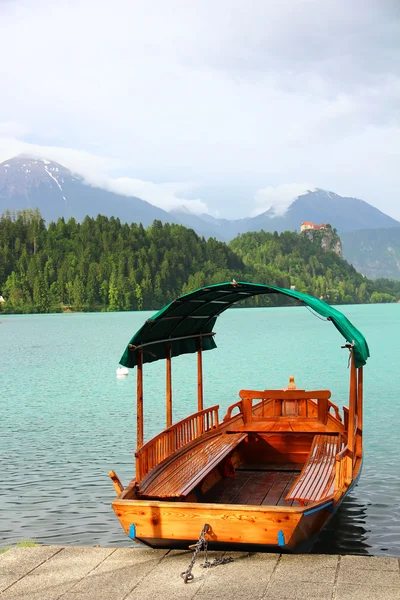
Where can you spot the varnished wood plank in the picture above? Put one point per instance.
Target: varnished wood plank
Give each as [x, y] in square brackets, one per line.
[276, 490]
[250, 485]
[234, 486]
[139, 399]
[317, 476]
[249, 489]
[214, 494]
[199, 376]
[268, 467]
[169, 388]
[352, 414]
[285, 394]
[296, 425]
[227, 488]
[360, 398]
[262, 488]
[173, 439]
[180, 476]
[229, 523]
[281, 501]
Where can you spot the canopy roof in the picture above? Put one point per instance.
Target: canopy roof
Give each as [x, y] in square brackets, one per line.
[189, 320]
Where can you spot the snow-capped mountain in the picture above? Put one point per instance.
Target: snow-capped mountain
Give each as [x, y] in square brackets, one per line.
[27, 182]
[322, 206]
[319, 206]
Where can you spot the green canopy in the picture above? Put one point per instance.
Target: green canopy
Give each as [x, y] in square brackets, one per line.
[189, 320]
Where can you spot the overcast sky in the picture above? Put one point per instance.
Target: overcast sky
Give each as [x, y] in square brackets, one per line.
[222, 105]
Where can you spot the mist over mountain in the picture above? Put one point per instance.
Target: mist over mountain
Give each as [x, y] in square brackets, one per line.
[374, 252]
[318, 206]
[27, 182]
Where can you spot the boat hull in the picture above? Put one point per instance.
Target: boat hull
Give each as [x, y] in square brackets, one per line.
[240, 527]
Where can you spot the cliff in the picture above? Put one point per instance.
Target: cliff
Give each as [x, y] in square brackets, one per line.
[328, 238]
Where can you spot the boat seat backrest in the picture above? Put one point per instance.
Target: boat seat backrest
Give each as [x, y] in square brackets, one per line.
[317, 478]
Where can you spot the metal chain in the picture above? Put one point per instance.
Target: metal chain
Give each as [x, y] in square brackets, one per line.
[216, 562]
[187, 575]
[202, 543]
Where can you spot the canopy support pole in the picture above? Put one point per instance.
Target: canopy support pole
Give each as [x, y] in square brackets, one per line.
[359, 412]
[169, 388]
[139, 399]
[360, 398]
[199, 377]
[352, 415]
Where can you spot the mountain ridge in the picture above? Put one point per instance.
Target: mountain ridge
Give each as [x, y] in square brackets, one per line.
[29, 182]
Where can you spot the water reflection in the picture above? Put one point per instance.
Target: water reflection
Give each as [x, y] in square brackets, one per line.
[346, 533]
[368, 526]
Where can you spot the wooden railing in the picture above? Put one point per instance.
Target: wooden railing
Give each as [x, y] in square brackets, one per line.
[283, 403]
[175, 437]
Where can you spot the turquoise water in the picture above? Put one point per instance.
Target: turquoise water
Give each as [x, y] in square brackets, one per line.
[66, 419]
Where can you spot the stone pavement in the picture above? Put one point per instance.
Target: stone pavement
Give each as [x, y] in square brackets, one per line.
[81, 573]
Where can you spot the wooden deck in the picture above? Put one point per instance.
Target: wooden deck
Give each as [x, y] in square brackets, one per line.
[255, 487]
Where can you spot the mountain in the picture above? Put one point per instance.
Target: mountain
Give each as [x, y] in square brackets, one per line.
[206, 225]
[318, 206]
[321, 206]
[374, 252]
[27, 182]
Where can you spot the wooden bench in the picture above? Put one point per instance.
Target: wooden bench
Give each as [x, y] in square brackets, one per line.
[317, 478]
[179, 475]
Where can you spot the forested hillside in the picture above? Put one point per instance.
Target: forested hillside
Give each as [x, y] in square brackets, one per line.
[101, 264]
[293, 259]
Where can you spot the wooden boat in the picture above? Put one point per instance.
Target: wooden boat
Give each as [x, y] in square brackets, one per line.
[270, 473]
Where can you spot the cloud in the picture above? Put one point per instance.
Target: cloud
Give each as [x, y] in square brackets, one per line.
[227, 94]
[279, 197]
[12, 130]
[168, 196]
[79, 161]
[97, 171]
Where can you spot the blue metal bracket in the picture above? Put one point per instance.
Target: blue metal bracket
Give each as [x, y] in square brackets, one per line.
[132, 531]
[281, 538]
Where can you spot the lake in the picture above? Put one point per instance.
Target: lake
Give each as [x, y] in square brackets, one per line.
[66, 419]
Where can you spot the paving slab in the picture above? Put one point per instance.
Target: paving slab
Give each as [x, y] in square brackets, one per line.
[117, 575]
[165, 580]
[245, 578]
[299, 590]
[18, 562]
[55, 576]
[376, 563]
[366, 592]
[318, 568]
[348, 574]
[22, 560]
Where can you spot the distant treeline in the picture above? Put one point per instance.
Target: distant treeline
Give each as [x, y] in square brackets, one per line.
[104, 265]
